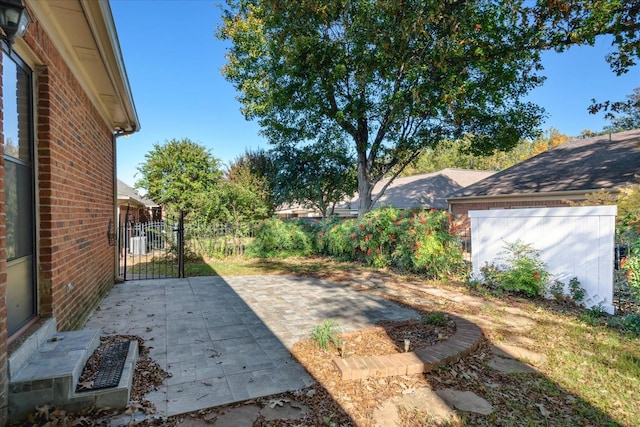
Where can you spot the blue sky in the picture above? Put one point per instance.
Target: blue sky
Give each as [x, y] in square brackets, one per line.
[173, 62]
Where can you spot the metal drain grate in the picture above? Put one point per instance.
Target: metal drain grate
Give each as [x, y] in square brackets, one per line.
[110, 371]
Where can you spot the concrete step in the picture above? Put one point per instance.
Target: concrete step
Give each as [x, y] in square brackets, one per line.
[49, 370]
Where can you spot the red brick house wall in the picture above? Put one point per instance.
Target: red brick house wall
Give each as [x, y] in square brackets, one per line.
[461, 209]
[74, 191]
[75, 187]
[465, 207]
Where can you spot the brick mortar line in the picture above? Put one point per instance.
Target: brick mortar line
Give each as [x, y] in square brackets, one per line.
[412, 362]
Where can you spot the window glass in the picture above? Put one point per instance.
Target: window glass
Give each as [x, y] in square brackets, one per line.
[15, 110]
[17, 181]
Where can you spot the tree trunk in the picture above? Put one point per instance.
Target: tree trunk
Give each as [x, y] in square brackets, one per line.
[364, 186]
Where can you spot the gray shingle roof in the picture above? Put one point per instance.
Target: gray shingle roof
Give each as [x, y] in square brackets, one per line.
[126, 192]
[578, 165]
[424, 190]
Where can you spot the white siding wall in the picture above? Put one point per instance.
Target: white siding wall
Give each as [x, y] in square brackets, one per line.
[573, 242]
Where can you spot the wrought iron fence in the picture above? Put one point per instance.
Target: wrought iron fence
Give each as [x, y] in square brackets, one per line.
[151, 250]
[217, 241]
[626, 298]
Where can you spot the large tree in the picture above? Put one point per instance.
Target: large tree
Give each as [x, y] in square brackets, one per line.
[177, 172]
[393, 77]
[255, 168]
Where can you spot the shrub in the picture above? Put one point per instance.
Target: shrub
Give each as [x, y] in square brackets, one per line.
[520, 271]
[418, 241]
[556, 289]
[576, 291]
[631, 323]
[334, 238]
[278, 238]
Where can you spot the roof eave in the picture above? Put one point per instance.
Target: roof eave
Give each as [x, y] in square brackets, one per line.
[550, 194]
[97, 62]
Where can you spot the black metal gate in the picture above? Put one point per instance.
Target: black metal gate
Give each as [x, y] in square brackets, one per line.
[151, 250]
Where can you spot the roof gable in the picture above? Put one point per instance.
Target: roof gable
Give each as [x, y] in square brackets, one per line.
[126, 193]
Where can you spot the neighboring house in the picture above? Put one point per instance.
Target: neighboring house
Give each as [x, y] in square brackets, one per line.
[65, 99]
[553, 178]
[427, 191]
[138, 208]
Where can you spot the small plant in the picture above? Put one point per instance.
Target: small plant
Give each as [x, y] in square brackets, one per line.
[326, 420]
[436, 319]
[576, 291]
[629, 323]
[556, 289]
[491, 274]
[326, 334]
[594, 316]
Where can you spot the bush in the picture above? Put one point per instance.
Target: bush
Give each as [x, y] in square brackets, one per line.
[277, 238]
[575, 293]
[631, 323]
[417, 241]
[520, 271]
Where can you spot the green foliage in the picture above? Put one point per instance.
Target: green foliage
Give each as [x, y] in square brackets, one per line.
[392, 78]
[556, 289]
[594, 316]
[416, 241]
[275, 238]
[325, 334]
[520, 270]
[317, 175]
[257, 170]
[458, 154]
[573, 291]
[334, 238]
[580, 22]
[437, 318]
[177, 173]
[624, 115]
[576, 291]
[629, 323]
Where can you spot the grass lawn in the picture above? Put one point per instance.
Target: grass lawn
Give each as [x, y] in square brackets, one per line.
[591, 368]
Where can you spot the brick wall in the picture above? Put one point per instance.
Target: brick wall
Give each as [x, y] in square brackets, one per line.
[75, 155]
[464, 208]
[461, 210]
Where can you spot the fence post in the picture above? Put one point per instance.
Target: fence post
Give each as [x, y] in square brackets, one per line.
[181, 245]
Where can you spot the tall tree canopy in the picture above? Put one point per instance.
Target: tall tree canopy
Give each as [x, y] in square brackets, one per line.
[394, 77]
[318, 175]
[579, 22]
[177, 172]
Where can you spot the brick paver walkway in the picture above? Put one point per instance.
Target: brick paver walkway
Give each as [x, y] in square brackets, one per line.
[228, 339]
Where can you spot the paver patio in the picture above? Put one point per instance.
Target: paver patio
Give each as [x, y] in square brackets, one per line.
[228, 339]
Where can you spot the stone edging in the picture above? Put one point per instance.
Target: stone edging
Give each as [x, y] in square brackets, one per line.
[462, 343]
